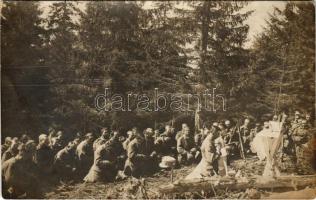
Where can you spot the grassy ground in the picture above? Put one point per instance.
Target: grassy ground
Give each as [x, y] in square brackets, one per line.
[148, 189]
[119, 189]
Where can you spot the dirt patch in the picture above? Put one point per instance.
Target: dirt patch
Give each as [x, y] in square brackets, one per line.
[308, 193]
[119, 189]
[148, 186]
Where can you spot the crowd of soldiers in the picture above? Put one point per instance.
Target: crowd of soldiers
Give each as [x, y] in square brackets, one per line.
[112, 156]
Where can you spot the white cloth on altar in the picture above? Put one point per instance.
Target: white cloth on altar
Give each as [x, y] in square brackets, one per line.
[258, 144]
[266, 144]
[275, 129]
[261, 143]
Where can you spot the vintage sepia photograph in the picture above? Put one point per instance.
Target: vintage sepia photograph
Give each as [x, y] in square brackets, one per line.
[158, 100]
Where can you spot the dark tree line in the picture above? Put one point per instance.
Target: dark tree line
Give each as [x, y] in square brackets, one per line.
[282, 70]
[53, 66]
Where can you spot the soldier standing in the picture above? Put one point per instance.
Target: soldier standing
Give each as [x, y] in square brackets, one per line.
[229, 128]
[287, 146]
[245, 135]
[301, 137]
[296, 121]
[222, 145]
[309, 120]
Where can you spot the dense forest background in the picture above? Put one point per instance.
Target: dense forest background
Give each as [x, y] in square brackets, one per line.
[53, 66]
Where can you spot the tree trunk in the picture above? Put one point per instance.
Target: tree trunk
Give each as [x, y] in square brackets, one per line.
[204, 40]
[196, 185]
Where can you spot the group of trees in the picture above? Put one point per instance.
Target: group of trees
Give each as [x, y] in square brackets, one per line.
[283, 64]
[54, 64]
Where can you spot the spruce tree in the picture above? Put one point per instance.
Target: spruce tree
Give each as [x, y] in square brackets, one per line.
[130, 49]
[284, 60]
[220, 32]
[62, 59]
[24, 85]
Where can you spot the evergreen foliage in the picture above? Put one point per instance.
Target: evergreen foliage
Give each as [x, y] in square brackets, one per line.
[53, 66]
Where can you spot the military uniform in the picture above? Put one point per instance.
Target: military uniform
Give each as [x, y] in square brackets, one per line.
[103, 168]
[19, 176]
[231, 139]
[84, 154]
[310, 124]
[118, 151]
[185, 145]
[56, 145]
[166, 144]
[4, 148]
[98, 142]
[179, 134]
[126, 142]
[44, 158]
[287, 145]
[301, 138]
[136, 158]
[6, 145]
[246, 137]
[65, 162]
[198, 140]
[9, 153]
[208, 164]
[294, 125]
[233, 134]
[150, 150]
[253, 132]
[224, 134]
[149, 145]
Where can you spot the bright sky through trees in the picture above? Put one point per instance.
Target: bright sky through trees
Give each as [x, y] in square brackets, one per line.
[256, 21]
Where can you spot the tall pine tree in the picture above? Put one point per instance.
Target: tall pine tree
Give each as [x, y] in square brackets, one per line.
[283, 67]
[62, 59]
[129, 49]
[220, 32]
[24, 83]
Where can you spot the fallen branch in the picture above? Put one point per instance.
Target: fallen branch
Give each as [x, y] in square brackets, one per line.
[232, 183]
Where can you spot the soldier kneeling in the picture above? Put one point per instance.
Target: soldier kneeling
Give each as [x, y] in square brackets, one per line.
[18, 175]
[185, 148]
